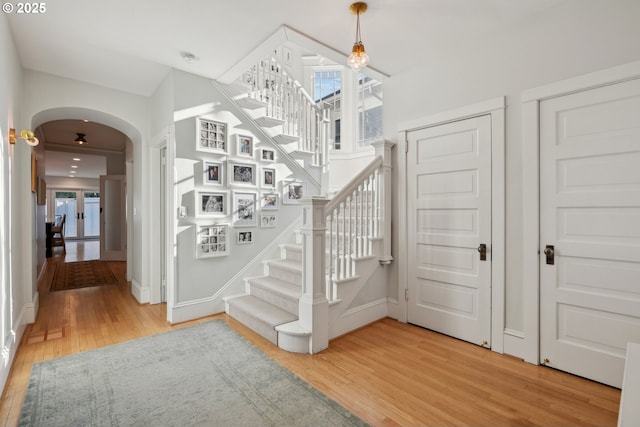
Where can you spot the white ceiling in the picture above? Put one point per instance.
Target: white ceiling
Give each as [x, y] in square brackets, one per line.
[130, 45]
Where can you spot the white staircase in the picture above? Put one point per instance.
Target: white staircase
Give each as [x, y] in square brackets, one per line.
[272, 299]
[298, 302]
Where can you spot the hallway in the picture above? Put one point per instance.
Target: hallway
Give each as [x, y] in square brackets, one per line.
[388, 373]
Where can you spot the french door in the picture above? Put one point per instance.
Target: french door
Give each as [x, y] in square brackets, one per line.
[83, 212]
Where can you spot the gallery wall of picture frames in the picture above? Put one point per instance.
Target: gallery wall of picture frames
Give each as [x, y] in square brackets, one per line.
[239, 189]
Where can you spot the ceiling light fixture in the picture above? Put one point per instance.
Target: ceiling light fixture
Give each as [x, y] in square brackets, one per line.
[76, 159]
[358, 58]
[80, 139]
[188, 57]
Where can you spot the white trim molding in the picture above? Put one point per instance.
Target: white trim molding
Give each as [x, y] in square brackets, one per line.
[496, 109]
[531, 188]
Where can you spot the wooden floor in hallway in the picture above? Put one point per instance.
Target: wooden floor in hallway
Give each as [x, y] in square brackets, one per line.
[388, 373]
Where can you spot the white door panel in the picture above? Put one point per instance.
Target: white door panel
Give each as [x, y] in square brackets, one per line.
[449, 206]
[590, 213]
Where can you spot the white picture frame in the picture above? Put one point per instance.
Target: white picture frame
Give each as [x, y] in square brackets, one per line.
[212, 240]
[293, 191]
[212, 173]
[244, 237]
[241, 174]
[211, 136]
[270, 201]
[267, 155]
[268, 178]
[268, 220]
[211, 204]
[244, 146]
[245, 209]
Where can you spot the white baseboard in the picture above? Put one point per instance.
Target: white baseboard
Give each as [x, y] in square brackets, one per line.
[196, 309]
[27, 315]
[358, 317]
[392, 308]
[142, 294]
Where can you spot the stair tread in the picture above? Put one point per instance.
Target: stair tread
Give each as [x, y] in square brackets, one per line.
[262, 310]
[279, 286]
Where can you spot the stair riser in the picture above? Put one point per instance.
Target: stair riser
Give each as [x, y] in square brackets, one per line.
[253, 323]
[291, 254]
[278, 300]
[283, 274]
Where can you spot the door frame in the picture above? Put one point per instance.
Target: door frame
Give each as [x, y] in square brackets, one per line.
[530, 99]
[496, 109]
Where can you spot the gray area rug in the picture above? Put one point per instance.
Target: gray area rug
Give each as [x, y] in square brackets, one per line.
[202, 375]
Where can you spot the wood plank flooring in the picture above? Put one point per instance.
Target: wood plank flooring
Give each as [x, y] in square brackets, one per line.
[388, 373]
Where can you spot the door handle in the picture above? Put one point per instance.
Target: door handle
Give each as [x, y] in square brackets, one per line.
[549, 252]
[483, 251]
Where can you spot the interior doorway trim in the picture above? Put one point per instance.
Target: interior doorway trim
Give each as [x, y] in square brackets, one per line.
[531, 188]
[496, 109]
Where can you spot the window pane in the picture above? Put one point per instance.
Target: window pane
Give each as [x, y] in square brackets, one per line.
[370, 108]
[327, 86]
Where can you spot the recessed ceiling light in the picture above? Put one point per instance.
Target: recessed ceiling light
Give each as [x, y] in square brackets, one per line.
[74, 166]
[73, 171]
[72, 176]
[76, 159]
[189, 57]
[86, 121]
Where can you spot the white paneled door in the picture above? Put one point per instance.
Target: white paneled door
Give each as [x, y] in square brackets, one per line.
[590, 230]
[449, 224]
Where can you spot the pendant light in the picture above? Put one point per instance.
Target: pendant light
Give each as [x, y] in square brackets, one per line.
[358, 58]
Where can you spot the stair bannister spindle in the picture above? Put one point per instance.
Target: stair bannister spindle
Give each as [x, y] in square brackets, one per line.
[372, 180]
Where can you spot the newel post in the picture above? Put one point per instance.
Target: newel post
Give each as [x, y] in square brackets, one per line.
[383, 148]
[314, 307]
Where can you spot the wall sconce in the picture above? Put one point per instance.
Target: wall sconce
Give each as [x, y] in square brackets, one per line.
[358, 58]
[26, 135]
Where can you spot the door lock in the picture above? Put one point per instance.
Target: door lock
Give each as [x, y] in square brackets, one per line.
[483, 251]
[549, 252]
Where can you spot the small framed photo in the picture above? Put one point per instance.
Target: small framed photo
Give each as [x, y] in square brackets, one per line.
[270, 201]
[212, 240]
[211, 136]
[213, 173]
[268, 178]
[241, 173]
[244, 237]
[245, 146]
[210, 204]
[293, 191]
[267, 155]
[244, 210]
[268, 220]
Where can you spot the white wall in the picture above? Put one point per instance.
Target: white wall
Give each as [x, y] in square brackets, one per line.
[201, 279]
[50, 97]
[573, 38]
[18, 299]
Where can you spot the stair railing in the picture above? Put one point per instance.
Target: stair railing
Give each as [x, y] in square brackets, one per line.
[287, 100]
[356, 216]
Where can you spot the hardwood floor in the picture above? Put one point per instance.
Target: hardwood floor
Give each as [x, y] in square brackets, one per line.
[388, 373]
